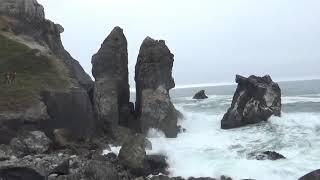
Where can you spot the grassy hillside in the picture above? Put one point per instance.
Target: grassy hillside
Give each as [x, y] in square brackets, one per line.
[34, 73]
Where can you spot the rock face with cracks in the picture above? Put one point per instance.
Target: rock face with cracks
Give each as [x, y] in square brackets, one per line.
[255, 100]
[110, 70]
[153, 76]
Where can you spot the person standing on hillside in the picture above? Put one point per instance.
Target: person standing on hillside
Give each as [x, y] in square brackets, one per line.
[6, 78]
[12, 77]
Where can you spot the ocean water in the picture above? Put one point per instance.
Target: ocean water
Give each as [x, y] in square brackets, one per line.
[206, 150]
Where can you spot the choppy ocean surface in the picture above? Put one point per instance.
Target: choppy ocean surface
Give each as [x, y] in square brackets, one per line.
[206, 150]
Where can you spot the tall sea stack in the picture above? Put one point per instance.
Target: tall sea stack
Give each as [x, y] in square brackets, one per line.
[153, 76]
[110, 70]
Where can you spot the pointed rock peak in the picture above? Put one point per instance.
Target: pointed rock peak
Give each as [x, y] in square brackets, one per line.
[116, 38]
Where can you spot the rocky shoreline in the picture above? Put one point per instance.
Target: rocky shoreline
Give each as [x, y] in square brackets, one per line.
[55, 122]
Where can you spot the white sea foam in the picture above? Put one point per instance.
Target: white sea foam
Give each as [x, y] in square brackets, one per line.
[113, 149]
[299, 99]
[206, 150]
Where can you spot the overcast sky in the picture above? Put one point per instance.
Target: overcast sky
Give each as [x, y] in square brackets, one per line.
[212, 40]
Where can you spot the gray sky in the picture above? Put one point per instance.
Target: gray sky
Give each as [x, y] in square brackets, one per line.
[212, 40]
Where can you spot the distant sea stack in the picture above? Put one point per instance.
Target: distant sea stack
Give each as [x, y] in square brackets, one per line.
[255, 100]
[200, 95]
[110, 70]
[153, 76]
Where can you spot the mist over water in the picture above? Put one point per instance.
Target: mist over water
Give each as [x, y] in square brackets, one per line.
[206, 150]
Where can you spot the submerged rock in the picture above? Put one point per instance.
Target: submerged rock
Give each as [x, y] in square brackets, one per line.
[153, 76]
[314, 175]
[266, 155]
[110, 70]
[200, 95]
[255, 100]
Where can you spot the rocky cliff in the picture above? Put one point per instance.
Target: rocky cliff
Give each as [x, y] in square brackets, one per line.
[30, 46]
[255, 100]
[153, 76]
[24, 20]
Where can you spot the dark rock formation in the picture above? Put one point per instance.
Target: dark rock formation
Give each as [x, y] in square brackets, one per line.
[200, 95]
[69, 110]
[255, 100]
[19, 173]
[157, 164]
[314, 175]
[110, 70]
[62, 169]
[270, 155]
[153, 76]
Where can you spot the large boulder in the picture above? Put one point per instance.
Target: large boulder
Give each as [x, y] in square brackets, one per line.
[133, 155]
[200, 95]
[255, 100]
[314, 175]
[111, 90]
[153, 76]
[71, 111]
[34, 142]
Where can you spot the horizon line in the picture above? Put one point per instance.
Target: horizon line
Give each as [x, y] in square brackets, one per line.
[186, 86]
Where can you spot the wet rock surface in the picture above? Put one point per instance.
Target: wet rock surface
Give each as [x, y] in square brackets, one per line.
[255, 100]
[314, 175]
[266, 155]
[153, 76]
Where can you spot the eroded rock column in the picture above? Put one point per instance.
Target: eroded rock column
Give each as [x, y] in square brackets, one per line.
[110, 70]
[153, 76]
